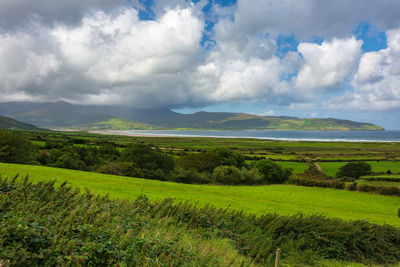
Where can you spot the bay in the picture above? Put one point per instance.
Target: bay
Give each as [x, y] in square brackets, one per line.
[325, 136]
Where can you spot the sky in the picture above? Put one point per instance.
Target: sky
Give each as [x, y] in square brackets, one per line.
[304, 58]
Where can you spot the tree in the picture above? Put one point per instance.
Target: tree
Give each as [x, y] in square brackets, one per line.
[14, 148]
[271, 172]
[227, 175]
[209, 160]
[354, 170]
[146, 162]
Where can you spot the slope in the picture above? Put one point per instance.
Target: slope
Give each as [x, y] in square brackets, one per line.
[7, 123]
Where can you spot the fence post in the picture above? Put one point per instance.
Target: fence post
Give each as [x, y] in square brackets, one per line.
[277, 257]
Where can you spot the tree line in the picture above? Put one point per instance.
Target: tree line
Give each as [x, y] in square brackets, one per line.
[216, 166]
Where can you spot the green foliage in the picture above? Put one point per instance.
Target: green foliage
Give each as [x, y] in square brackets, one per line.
[209, 160]
[14, 148]
[251, 176]
[306, 181]
[47, 226]
[227, 175]
[190, 176]
[382, 190]
[354, 169]
[314, 172]
[146, 162]
[271, 172]
[72, 157]
[230, 175]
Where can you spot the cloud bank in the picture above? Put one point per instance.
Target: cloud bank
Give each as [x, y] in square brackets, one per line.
[104, 52]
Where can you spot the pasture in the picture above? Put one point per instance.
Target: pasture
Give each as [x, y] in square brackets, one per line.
[281, 199]
[331, 168]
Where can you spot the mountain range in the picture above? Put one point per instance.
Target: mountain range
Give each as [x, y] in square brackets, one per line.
[63, 115]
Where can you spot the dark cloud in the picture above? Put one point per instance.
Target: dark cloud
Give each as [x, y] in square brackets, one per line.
[16, 14]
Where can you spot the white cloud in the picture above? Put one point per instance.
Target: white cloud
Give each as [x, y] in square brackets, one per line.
[99, 52]
[22, 66]
[377, 81]
[310, 18]
[107, 59]
[328, 64]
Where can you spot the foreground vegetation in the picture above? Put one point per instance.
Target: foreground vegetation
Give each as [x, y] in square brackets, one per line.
[43, 225]
[166, 232]
[283, 199]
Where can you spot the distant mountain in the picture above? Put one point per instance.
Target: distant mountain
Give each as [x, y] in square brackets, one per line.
[65, 115]
[243, 121]
[7, 123]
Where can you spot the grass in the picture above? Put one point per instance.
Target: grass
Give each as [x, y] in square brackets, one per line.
[282, 199]
[380, 183]
[297, 167]
[392, 176]
[331, 168]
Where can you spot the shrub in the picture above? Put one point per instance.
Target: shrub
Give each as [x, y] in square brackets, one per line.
[146, 162]
[14, 148]
[271, 172]
[189, 176]
[209, 160]
[305, 181]
[114, 168]
[354, 169]
[314, 172]
[382, 190]
[250, 176]
[229, 175]
[352, 187]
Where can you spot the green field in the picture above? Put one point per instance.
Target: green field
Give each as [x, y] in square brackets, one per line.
[379, 183]
[283, 199]
[297, 167]
[331, 168]
[392, 176]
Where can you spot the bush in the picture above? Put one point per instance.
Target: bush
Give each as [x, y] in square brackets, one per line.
[209, 160]
[189, 176]
[305, 181]
[313, 172]
[354, 169]
[381, 190]
[228, 175]
[250, 176]
[146, 162]
[114, 168]
[352, 187]
[272, 173]
[14, 148]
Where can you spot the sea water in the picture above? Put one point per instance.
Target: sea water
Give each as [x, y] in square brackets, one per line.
[327, 136]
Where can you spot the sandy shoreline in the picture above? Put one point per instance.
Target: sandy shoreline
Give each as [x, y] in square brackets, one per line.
[122, 132]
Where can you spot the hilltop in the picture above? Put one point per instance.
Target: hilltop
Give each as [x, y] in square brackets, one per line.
[65, 115]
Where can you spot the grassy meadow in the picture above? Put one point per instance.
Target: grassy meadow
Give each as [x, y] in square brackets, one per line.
[331, 168]
[282, 199]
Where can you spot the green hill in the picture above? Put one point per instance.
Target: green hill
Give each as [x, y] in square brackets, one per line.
[7, 123]
[65, 115]
[242, 121]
